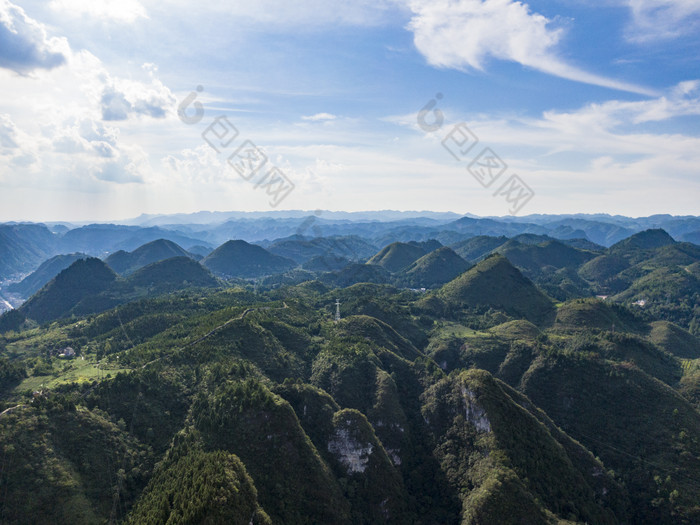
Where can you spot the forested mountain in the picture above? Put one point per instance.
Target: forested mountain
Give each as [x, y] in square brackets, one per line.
[397, 256]
[42, 275]
[83, 279]
[434, 269]
[128, 262]
[507, 392]
[241, 259]
[300, 235]
[302, 249]
[23, 247]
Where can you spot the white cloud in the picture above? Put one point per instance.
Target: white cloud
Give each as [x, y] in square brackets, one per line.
[17, 149]
[663, 19]
[58, 138]
[130, 165]
[319, 117]
[463, 34]
[122, 98]
[8, 132]
[126, 11]
[611, 157]
[24, 44]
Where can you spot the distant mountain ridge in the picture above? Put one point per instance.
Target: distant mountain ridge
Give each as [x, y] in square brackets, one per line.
[23, 247]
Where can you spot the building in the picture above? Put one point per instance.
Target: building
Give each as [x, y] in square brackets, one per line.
[67, 352]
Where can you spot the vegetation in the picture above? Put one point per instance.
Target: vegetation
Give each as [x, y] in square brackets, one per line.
[434, 269]
[187, 399]
[397, 256]
[128, 262]
[496, 283]
[240, 259]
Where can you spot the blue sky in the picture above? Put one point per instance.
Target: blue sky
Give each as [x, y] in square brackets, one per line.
[594, 106]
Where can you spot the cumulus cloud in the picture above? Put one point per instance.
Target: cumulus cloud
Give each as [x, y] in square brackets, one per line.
[86, 136]
[8, 133]
[16, 147]
[24, 44]
[126, 11]
[463, 34]
[124, 97]
[319, 116]
[68, 136]
[93, 148]
[122, 170]
[662, 19]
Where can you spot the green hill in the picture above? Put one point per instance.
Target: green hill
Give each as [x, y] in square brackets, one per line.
[645, 240]
[326, 263]
[679, 254]
[481, 402]
[496, 283]
[301, 249]
[477, 248]
[200, 487]
[509, 462]
[42, 275]
[356, 273]
[57, 465]
[587, 314]
[90, 286]
[638, 246]
[173, 273]
[603, 268]
[241, 259]
[641, 437]
[82, 279]
[669, 294]
[397, 256]
[23, 247]
[517, 330]
[673, 339]
[262, 429]
[537, 258]
[434, 269]
[128, 262]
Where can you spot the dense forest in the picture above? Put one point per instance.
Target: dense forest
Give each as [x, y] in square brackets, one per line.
[479, 383]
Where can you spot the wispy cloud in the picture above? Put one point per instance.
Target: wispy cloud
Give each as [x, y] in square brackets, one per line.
[663, 19]
[126, 11]
[282, 15]
[463, 34]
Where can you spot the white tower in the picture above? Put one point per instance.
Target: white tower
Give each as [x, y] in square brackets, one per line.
[337, 310]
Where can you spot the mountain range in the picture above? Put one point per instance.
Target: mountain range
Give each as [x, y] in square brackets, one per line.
[501, 378]
[24, 246]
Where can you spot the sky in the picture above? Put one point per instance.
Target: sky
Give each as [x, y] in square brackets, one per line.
[110, 109]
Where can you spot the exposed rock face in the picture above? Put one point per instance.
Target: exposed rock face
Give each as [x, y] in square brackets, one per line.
[475, 414]
[351, 453]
